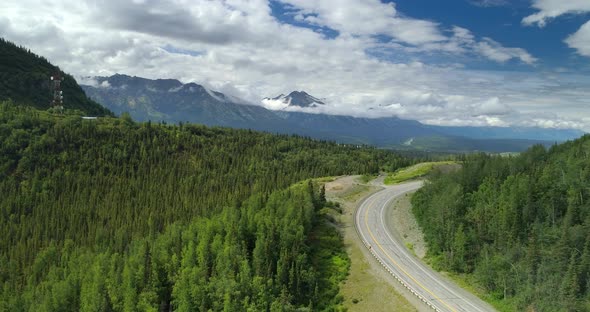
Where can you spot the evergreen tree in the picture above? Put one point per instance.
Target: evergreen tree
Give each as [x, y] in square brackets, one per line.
[524, 221]
[111, 215]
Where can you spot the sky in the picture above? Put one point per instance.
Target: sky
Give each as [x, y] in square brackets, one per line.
[452, 62]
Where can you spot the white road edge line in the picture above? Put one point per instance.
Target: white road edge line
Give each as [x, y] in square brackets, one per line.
[399, 279]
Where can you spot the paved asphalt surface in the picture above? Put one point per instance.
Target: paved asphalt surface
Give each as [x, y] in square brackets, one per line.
[385, 244]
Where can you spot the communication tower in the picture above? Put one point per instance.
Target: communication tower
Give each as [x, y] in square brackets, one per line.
[58, 96]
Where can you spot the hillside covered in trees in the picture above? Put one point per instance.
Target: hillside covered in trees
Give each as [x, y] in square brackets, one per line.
[519, 227]
[112, 215]
[24, 78]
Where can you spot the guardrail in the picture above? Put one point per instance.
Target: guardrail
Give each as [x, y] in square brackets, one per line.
[399, 279]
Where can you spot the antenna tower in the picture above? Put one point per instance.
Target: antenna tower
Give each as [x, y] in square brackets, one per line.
[58, 97]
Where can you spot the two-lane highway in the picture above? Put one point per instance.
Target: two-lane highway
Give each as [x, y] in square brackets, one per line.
[433, 289]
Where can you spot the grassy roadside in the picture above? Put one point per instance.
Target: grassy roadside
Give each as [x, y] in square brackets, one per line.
[367, 178]
[468, 283]
[415, 171]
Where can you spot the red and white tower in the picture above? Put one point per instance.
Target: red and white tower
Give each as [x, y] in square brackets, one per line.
[58, 97]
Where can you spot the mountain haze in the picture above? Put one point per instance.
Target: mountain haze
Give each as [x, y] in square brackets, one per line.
[524, 133]
[171, 101]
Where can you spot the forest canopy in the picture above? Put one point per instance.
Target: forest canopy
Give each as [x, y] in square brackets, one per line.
[518, 226]
[112, 215]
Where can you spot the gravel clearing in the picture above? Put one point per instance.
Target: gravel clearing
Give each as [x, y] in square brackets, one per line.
[400, 219]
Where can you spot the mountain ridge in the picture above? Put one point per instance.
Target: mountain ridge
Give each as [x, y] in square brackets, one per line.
[194, 103]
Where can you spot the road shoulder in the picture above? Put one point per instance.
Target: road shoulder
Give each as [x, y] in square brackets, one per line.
[368, 287]
[401, 223]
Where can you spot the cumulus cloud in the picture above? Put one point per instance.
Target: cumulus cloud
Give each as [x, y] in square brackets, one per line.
[372, 17]
[463, 42]
[492, 107]
[581, 40]
[240, 48]
[550, 9]
[274, 104]
[213, 22]
[368, 17]
[87, 81]
[495, 51]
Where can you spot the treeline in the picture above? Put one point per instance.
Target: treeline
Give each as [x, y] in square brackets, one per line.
[25, 78]
[520, 226]
[157, 212]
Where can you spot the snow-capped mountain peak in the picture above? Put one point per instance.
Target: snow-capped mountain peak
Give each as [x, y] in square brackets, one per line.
[294, 99]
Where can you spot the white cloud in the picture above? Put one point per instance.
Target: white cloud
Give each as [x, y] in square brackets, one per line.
[372, 17]
[549, 9]
[581, 40]
[366, 17]
[246, 52]
[463, 42]
[87, 81]
[274, 104]
[495, 51]
[492, 107]
[91, 81]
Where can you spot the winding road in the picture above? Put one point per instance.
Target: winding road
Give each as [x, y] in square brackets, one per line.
[385, 244]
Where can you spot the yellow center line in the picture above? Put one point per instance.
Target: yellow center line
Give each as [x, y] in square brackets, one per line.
[398, 266]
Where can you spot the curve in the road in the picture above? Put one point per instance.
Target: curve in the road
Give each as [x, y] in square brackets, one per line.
[432, 288]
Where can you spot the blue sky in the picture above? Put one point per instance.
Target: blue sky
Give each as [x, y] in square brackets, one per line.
[497, 19]
[444, 62]
[503, 22]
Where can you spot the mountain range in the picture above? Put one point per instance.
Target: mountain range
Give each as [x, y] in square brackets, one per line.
[24, 78]
[170, 100]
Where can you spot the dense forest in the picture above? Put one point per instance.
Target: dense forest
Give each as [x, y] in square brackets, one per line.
[112, 215]
[25, 79]
[518, 226]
